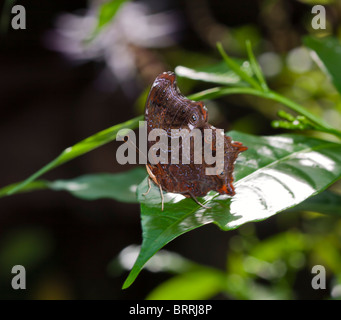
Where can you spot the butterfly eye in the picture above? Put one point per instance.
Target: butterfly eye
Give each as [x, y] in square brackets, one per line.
[221, 173]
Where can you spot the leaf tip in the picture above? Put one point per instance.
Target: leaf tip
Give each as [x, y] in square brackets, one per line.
[128, 282]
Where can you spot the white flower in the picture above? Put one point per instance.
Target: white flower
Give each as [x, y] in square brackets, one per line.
[133, 24]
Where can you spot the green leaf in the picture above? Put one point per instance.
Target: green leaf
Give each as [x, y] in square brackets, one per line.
[214, 93]
[218, 73]
[120, 186]
[107, 12]
[231, 63]
[274, 174]
[256, 67]
[328, 56]
[75, 151]
[326, 202]
[32, 186]
[194, 285]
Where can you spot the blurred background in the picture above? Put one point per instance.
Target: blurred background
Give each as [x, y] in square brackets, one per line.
[60, 83]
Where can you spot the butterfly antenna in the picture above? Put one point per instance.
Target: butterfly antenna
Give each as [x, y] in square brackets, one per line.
[128, 140]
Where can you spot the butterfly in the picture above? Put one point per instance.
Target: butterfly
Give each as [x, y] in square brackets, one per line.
[167, 109]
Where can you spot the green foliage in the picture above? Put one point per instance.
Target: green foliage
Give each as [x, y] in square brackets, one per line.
[328, 53]
[218, 73]
[255, 86]
[326, 202]
[75, 151]
[275, 174]
[292, 166]
[258, 270]
[106, 13]
[121, 186]
[194, 285]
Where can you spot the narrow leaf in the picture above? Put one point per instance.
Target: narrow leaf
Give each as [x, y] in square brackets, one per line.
[32, 186]
[328, 57]
[255, 66]
[77, 150]
[107, 12]
[218, 73]
[237, 69]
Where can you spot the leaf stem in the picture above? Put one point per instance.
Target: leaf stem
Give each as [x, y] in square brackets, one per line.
[236, 68]
[217, 92]
[255, 66]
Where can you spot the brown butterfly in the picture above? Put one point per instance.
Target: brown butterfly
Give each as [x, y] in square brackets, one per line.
[167, 109]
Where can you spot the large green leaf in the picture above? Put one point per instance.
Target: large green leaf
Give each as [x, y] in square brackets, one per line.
[274, 174]
[328, 56]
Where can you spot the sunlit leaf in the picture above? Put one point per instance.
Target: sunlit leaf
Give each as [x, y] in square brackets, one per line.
[274, 174]
[218, 73]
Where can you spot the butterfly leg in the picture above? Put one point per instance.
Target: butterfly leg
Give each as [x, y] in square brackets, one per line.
[149, 186]
[162, 198]
[152, 177]
[197, 201]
